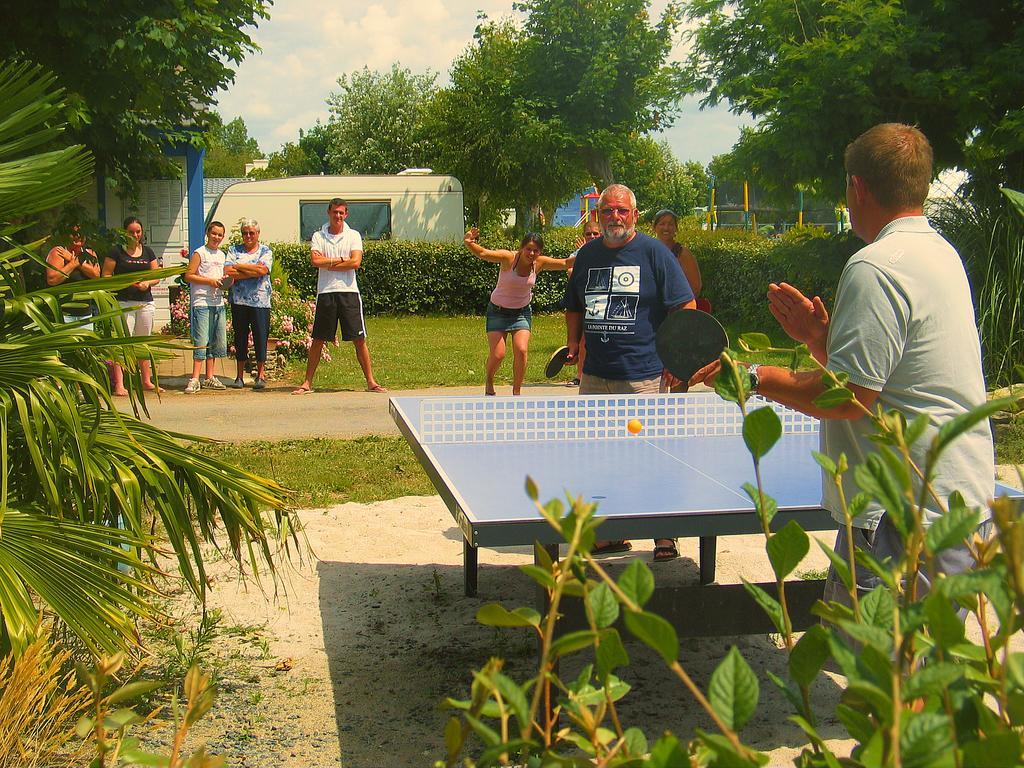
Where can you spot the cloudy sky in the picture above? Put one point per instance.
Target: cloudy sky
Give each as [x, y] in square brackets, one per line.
[307, 44]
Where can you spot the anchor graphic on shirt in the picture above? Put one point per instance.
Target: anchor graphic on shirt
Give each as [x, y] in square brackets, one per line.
[604, 337]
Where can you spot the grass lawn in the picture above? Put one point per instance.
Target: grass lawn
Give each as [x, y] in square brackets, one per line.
[1010, 442]
[326, 472]
[411, 352]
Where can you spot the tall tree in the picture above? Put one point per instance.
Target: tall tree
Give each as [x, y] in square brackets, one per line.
[315, 143]
[487, 131]
[228, 148]
[658, 179]
[135, 73]
[816, 74]
[596, 74]
[377, 121]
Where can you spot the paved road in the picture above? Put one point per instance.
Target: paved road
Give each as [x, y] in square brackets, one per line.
[275, 414]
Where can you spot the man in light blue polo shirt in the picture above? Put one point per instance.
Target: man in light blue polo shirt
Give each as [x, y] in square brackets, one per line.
[903, 330]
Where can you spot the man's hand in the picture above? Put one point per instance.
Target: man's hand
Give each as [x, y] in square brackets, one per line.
[706, 375]
[804, 320]
[580, 242]
[669, 379]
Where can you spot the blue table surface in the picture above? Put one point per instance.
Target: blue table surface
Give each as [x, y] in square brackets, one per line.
[628, 478]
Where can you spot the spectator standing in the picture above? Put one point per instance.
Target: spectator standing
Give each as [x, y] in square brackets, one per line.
[337, 252]
[205, 276]
[249, 265]
[73, 264]
[137, 299]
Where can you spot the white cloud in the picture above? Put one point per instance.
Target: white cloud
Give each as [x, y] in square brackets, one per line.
[307, 45]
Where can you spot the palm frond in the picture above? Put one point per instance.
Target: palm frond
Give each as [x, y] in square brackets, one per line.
[80, 479]
[72, 567]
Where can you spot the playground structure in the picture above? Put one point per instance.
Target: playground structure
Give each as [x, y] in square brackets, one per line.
[731, 205]
[738, 205]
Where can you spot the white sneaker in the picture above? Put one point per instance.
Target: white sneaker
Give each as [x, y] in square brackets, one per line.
[213, 383]
[192, 387]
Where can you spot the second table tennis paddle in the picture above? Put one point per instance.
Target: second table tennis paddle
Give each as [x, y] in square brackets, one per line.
[557, 362]
[688, 340]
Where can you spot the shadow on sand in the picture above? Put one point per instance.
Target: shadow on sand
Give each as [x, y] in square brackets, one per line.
[417, 631]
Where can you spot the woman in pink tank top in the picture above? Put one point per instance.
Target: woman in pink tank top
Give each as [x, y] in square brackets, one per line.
[508, 311]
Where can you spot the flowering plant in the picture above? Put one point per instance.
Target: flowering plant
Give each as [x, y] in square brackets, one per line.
[179, 325]
[291, 321]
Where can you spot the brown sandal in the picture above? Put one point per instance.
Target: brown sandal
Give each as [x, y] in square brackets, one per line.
[611, 547]
[664, 552]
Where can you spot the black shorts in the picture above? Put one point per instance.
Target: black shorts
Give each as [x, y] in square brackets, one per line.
[332, 309]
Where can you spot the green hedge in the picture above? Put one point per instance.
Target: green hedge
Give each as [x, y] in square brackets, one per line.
[736, 268]
[404, 277]
[444, 278]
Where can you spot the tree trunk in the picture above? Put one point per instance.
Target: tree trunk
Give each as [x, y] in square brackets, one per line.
[599, 165]
[523, 217]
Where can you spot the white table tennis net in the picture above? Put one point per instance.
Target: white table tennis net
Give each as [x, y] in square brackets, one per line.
[590, 417]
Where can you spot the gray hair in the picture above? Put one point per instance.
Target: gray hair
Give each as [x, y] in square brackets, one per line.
[619, 188]
[251, 223]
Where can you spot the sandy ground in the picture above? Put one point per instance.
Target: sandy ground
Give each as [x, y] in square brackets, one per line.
[377, 632]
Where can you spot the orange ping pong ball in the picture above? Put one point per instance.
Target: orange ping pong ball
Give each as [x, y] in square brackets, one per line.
[634, 426]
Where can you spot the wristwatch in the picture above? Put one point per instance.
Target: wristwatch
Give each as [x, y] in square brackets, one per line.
[754, 380]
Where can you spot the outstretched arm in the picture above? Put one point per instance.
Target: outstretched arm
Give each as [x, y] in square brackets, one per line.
[497, 257]
[561, 265]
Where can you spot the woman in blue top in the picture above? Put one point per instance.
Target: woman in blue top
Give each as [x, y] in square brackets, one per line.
[250, 264]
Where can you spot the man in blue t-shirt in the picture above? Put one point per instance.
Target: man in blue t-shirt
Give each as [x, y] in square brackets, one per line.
[622, 286]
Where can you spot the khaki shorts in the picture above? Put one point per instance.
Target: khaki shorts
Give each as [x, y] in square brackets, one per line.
[595, 385]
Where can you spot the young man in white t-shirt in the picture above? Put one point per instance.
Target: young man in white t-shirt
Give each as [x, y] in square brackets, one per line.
[337, 251]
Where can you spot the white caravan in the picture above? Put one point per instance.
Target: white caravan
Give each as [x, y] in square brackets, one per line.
[411, 205]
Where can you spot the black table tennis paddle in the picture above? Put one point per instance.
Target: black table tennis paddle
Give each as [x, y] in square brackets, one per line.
[688, 340]
[557, 362]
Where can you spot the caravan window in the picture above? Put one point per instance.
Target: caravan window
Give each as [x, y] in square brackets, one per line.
[371, 220]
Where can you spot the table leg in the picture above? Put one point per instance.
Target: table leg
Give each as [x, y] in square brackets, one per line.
[707, 559]
[469, 563]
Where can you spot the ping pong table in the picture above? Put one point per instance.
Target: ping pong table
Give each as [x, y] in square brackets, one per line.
[681, 476]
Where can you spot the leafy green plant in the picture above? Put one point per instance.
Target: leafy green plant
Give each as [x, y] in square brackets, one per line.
[990, 239]
[919, 691]
[87, 489]
[399, 277]
[109, 720]
[291, 321]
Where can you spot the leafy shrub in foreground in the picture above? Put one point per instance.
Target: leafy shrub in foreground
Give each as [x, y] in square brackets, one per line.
[919, 692]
